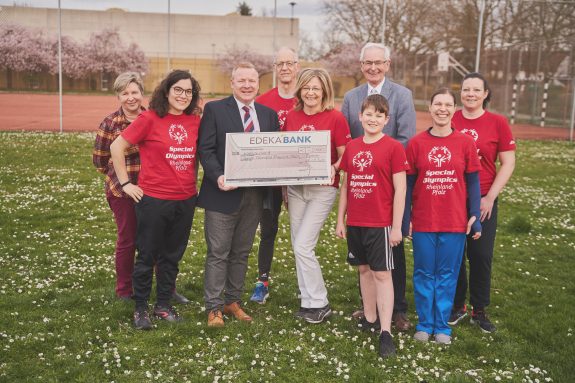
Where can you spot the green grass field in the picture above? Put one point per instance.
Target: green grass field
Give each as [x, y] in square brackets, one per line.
[61, 322]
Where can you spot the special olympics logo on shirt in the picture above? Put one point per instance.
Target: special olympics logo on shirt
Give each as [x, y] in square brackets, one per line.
[178, 133]
[362, 160]
[472, 133]
[307, 128]
[439, 156]
[282, 114]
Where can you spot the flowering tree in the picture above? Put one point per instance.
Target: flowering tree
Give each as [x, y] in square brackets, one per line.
[136, 59]
[235, 55]
[28, 50]
[23, 50]
[73, 58]
[343, 61]
[107, 54]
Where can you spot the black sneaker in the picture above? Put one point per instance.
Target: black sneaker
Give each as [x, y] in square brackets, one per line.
[179, 298]
[368, 326]
[317, 315]
[386, 346]
[480, 318]
[457, 314]
[301, 312]
[142, 319]
[167, 313]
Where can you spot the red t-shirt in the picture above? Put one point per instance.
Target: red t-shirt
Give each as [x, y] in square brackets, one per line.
[332, 120]
[167, 152]
[492, 135]
[439, 202]
[282, 106]
[370, 169]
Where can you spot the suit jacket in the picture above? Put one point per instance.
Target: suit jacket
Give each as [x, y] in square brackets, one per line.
[221, 117]
[401, 125]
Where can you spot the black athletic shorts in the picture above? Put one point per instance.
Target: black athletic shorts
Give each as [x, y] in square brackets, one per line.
[369, 246]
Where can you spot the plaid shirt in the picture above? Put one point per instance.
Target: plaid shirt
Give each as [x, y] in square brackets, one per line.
[110, 128]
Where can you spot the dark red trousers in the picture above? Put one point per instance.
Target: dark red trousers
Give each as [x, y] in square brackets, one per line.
[125, 217]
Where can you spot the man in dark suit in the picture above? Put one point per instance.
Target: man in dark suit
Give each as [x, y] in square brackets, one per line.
[375, 60]
[231, 214]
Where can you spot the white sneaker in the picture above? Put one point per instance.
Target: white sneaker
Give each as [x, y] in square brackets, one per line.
[421, 336]
[442, 339]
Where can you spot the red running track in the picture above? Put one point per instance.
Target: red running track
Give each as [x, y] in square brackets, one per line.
[82, 113]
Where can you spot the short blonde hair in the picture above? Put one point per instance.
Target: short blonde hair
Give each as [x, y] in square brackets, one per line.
[245, 65]
[305, 76]
[125, 79]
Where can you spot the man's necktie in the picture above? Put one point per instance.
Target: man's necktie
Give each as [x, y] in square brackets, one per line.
[248, 122]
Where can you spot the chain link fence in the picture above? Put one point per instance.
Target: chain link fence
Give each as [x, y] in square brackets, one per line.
[540, 99]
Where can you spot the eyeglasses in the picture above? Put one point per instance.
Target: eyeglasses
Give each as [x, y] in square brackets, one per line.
[307, 89]
[289, 64]
[376, 63]
[178, 91]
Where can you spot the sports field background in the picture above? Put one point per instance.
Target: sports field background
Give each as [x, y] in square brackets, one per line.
[39, 112]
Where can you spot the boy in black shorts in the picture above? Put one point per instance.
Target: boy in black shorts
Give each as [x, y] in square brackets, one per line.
[373, 197]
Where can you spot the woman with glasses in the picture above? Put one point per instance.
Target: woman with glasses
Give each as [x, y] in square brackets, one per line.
[309, 205]
[442, 203]
[165, 193]
[494, 142]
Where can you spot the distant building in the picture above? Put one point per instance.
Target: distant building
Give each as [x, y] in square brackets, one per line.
[195, 41]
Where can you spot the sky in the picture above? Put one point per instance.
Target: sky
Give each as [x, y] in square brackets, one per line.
[307, 11]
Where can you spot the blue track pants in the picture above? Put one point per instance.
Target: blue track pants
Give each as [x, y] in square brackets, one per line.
[436, 262]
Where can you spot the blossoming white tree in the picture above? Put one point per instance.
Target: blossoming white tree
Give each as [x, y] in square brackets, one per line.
[29, 50]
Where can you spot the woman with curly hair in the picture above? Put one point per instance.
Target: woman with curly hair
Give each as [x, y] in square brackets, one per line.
[165, 193]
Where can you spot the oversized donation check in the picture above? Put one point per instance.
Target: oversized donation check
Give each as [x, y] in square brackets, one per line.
[278, 158]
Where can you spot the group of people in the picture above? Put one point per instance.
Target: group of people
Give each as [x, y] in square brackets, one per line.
[438, 188]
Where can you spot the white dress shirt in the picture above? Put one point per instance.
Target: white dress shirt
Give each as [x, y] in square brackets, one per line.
[375, 90]
[253, 113]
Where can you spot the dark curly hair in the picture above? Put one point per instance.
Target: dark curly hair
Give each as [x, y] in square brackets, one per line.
[159, 102]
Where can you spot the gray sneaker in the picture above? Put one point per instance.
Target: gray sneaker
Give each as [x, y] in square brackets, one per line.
[457, 315]
[142, 319]
[481, 319]
[442, 339]
[317, 315]
[386, 346]
[421, 336]
[301, 312]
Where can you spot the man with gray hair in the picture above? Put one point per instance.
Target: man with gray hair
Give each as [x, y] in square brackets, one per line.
[375, 61]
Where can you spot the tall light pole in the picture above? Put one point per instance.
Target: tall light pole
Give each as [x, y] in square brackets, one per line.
[292, 3]
[572, 123]
[383, 21]
[213, 69]
[274, 24]
[479, 32]
[60, 63]
[274, 41]
[169, 35]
